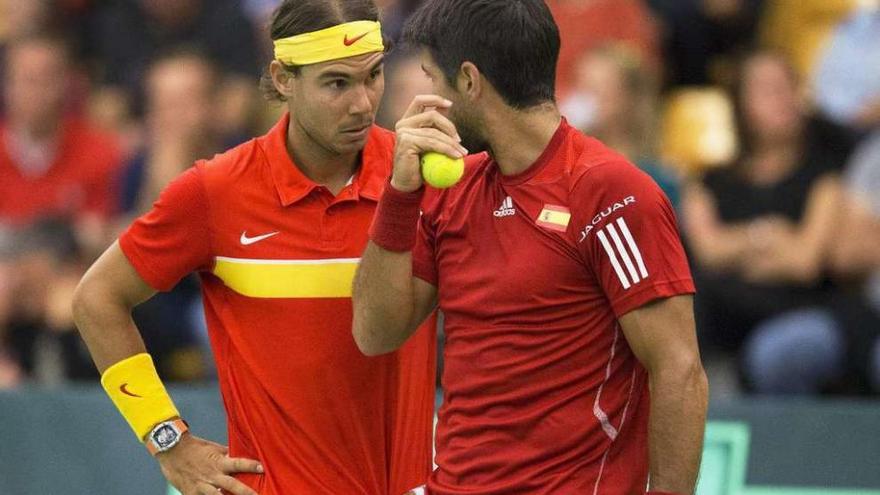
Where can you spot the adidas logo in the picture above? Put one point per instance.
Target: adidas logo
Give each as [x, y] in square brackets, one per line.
[506, 209]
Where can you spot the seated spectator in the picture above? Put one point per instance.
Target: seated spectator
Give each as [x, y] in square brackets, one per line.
[760, 233]
[130, 33]
[585, 24]
[181, 88]
[856, 252]
[38, 326]
[52, 163]
[614, 98]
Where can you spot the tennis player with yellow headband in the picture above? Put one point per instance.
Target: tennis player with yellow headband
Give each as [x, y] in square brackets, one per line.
[274, 228]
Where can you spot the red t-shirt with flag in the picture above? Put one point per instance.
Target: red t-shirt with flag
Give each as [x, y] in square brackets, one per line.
[276, 254]
[542, 393]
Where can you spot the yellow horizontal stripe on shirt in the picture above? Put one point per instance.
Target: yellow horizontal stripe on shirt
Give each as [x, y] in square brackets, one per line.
[287, 278]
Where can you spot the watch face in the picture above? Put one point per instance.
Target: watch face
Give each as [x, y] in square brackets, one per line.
[165, 436]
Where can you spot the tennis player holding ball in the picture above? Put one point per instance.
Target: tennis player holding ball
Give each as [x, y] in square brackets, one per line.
[274, 229]
[571, 361]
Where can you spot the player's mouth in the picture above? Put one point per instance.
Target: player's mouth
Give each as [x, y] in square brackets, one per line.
[358, 132]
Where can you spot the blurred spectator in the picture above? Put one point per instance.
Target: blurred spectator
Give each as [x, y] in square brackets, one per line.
[614, 98]
[585, 24]
[761, 231]
[700, 37]
[799, 29]
[181, 88]
[51, 162]
[131, 33]
[857, 250]
[404, 79]
[38, 328]
[848, 79]
[52, 165]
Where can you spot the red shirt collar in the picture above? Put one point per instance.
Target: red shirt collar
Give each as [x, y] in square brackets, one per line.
[292, 185]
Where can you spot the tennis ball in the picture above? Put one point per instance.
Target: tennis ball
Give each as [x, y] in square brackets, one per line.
[441, 171]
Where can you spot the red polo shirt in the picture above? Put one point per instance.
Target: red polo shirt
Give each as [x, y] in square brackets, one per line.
[276, 254]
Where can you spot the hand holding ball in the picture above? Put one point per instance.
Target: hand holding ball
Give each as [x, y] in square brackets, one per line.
[441, 171]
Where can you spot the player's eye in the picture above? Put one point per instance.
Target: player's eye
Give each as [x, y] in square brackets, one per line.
[337, 84]
[375, 74]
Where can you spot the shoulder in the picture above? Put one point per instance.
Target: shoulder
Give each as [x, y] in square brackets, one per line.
[609, 175]
[231, 163]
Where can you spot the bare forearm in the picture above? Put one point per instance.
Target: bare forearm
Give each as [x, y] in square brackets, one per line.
[106, 327]
[102, 308]
[678, 414]
[383, 300]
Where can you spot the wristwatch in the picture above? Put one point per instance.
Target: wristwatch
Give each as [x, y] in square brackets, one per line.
[165, 435]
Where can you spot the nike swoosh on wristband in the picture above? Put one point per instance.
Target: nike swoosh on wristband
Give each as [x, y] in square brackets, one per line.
[124, 389]
[349, 42]
[247, 241]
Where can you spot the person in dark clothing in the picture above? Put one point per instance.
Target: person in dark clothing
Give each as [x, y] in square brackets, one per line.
[760, 231]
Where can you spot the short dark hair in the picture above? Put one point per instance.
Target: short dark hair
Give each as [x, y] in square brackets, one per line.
[514, 43]
[295, 17]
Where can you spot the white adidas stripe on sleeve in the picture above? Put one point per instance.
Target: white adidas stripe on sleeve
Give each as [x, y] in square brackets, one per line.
[617, 250]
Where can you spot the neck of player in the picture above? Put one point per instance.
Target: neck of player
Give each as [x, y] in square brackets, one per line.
[321, 165]
[517, 138]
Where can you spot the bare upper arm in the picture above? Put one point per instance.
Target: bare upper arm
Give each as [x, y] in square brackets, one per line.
[663, 332]
[113, 276]
[424, 301]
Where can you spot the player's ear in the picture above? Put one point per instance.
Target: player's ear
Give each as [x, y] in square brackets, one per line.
[469, 81]
[282, 78]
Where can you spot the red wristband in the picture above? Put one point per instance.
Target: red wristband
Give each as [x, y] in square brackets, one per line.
[396, 220]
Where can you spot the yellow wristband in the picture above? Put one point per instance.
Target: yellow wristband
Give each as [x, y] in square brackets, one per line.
[134, 386]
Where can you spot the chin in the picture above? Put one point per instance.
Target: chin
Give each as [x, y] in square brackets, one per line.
[350, 146]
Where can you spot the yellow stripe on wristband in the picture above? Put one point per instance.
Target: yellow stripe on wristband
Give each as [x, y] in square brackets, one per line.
[135, 388]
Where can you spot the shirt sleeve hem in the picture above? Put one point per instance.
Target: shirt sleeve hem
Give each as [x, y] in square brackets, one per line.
[141, 267]
[648, 293]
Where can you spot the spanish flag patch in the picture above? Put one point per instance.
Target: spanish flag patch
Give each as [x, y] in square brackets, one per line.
[554, 218]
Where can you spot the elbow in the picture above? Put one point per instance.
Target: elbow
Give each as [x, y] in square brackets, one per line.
[79, 304]
[682, 373]
[367, 342]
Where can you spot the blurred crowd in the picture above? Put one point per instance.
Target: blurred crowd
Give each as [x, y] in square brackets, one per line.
[759, 118]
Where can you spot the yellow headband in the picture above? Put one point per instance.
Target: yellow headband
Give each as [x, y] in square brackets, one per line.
[345, 40]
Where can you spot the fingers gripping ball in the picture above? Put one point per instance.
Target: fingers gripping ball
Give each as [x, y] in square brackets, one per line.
[441, 171]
